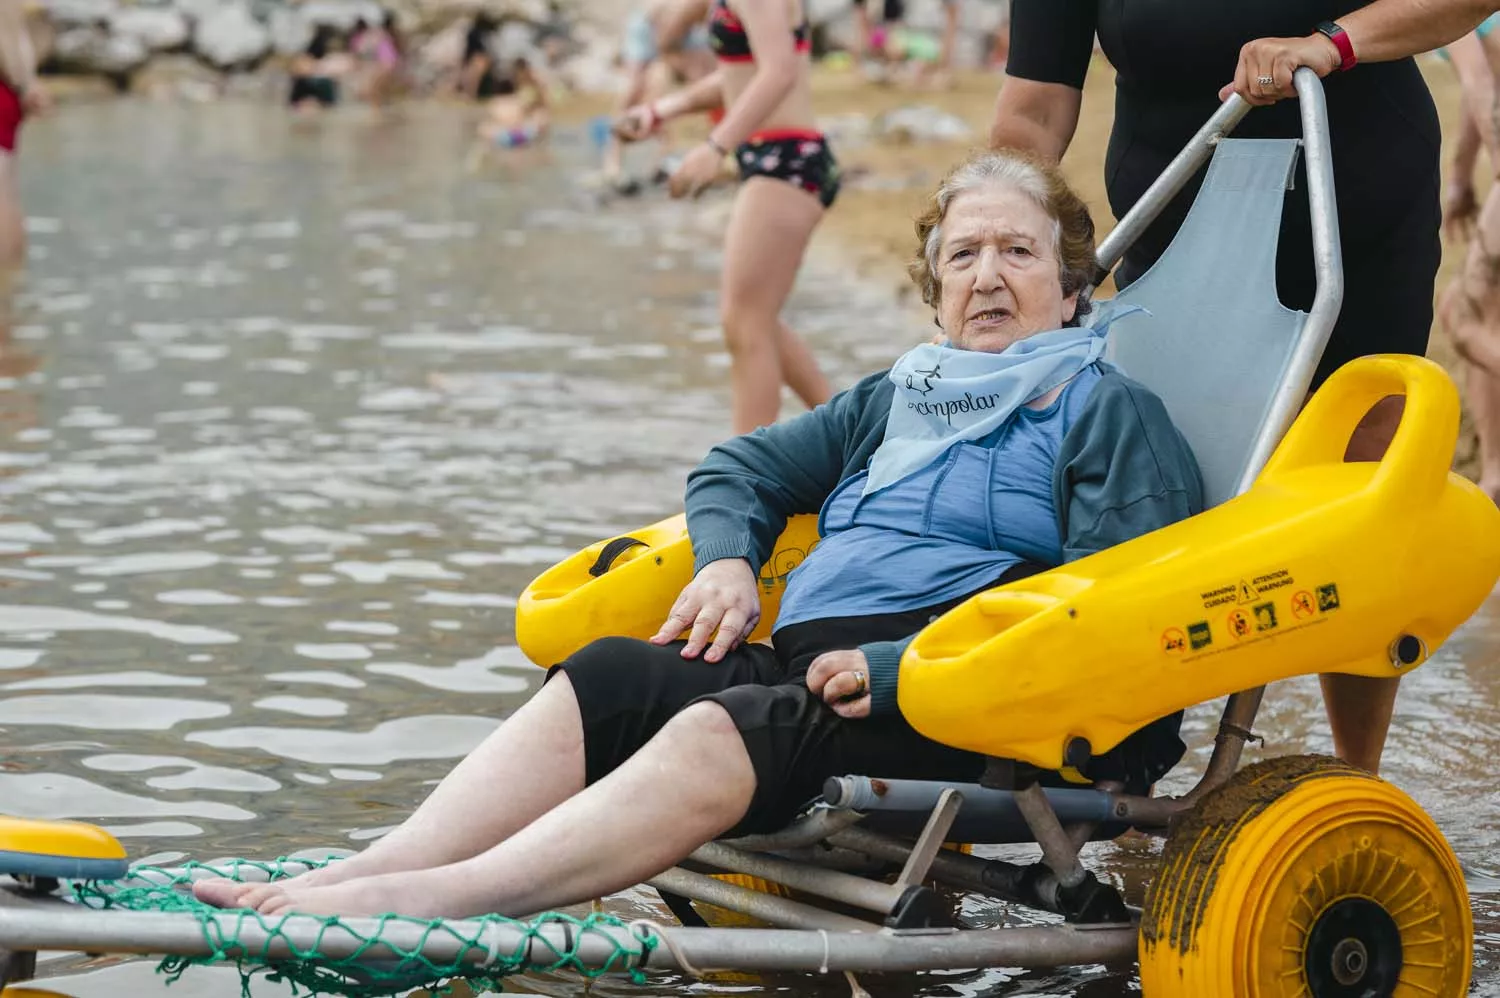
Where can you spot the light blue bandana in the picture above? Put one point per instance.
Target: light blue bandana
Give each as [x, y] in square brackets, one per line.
[945, 395]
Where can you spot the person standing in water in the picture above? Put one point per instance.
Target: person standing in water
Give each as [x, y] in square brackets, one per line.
[789, 180]
[20, 95]
[661, 37]
[1469, 306]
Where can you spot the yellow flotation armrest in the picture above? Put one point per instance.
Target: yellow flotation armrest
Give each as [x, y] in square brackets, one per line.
[625, 586]
[1322, 566]
[64, 850]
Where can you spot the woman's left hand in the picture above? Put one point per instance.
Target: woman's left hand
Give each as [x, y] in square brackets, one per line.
[698, 169]
[1277, 59]
[842, 679]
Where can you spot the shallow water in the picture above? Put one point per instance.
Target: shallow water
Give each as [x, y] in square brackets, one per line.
[291, 413]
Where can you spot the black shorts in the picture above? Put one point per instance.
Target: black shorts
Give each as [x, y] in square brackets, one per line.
[800, 158]
[323, 89]
[628, 690]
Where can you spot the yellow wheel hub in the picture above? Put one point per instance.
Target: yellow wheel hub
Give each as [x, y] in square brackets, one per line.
[1306, 877]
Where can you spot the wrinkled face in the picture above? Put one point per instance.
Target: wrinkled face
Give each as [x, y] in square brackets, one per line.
[999, 270]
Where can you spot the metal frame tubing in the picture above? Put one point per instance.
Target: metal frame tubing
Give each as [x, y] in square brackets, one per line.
[845, 887]
[756, 904]
[33, 927]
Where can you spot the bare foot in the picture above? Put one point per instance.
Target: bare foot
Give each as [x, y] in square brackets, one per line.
[418, 894]
[222, 892]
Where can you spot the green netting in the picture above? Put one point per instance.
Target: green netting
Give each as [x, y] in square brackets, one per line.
[377, 966]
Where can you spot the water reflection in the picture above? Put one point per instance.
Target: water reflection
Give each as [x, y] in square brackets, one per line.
[289, 417]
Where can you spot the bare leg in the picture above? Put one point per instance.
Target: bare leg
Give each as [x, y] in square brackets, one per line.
[1359, 714]
[1470, 310]
[1359, 707]
[686, 786]
[1470, 306]
[799, 368]
[526, 767]
[12, 220]
[635, 92]
[768, 233]
[1484, 402]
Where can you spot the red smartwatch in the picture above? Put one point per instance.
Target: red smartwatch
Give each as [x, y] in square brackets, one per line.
[1340, 39]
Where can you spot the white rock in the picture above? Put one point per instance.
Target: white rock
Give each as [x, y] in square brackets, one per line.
[514, 40]
[93, 50]
[340, 14]
[289, 30]
[159, 29]
[70, 12]
[196, 10]
[230, 36]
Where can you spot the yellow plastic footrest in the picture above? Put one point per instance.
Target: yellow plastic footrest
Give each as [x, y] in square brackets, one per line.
[65, 850]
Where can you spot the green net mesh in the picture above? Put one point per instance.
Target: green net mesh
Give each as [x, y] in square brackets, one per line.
[374, 964]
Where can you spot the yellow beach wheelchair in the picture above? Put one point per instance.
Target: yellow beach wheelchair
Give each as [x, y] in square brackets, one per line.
[1296, 876]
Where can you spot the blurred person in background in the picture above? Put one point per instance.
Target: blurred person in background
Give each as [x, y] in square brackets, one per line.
[789, 178]
[379, 50]
[518, 112]
[1470, 305]
[664, 40]
[21, 94]
[474, 78]
[317, 70]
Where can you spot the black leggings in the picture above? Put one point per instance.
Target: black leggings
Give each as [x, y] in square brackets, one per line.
[629, 689]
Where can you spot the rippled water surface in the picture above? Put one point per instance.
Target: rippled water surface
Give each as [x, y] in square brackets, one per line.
[289, 416]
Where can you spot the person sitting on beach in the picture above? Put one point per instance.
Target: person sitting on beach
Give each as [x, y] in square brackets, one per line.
[634, 753]
[518, 113]
[317, 70]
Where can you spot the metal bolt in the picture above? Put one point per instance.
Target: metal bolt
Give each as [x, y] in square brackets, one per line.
[1350, 961]
[1408, 649]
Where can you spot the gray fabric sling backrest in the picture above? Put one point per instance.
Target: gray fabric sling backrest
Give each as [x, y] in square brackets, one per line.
[1216, 341]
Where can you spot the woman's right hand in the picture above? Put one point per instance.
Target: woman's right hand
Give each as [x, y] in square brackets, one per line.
[724, 598]
[637, 123]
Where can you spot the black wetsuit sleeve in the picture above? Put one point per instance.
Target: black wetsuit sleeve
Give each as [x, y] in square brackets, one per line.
[1051, 41]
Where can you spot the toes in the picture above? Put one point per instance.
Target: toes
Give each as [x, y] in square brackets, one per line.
[279, 903]
[256, 895]
[220, 892]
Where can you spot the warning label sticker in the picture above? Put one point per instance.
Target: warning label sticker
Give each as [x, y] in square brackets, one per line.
[1266, 615]
[1247, 590]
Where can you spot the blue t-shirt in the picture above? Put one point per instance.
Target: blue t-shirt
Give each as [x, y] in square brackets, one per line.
[948, 530]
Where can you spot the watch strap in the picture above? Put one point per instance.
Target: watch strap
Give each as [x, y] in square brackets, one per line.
[1341, 41]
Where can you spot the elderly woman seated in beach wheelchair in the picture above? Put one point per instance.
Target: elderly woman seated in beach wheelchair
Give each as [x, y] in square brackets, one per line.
[1010, 447]
[1007, 448]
